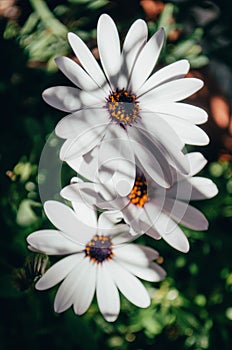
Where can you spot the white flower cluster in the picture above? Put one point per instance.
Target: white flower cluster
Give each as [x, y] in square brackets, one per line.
[125, 134]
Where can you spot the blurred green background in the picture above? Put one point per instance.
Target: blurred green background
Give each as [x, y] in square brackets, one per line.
[192, 307]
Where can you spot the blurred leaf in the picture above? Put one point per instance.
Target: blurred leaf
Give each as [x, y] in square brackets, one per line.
[24, 170]
[26, 215]
[165, 20]
[11, 30]
[198, 62]
[94, 5]
[30, 24]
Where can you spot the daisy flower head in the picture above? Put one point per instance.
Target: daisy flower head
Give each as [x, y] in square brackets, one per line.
[126, 104]
[150, 208]
[97, 259]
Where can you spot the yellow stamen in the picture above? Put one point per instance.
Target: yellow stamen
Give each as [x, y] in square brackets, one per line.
[138, 195]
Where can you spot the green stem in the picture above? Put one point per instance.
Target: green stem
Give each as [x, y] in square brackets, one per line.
[48, 18]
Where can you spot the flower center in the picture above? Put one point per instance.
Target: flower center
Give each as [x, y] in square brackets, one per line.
[99, 249]
[123, 107]
[138, 195]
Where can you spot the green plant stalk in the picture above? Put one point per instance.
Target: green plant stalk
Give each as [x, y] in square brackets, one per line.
[48, 18]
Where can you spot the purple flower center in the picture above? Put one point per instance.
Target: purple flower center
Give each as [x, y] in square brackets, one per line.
[99, 249]
[123, 107]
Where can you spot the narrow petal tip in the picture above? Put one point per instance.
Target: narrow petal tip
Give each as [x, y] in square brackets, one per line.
[110, 317]
[105, 17]
[185, 64]
[199, 83]
[45, 93]
[71, 36]
[40, 286]
[160, 34]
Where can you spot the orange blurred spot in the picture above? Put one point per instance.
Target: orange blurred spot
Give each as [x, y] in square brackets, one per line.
[220, 111]
[11, 175]
[174, 34]
[75, 59]
[5, 5]
[160, 260]
[225, 157]
[8, 9]
[152, 8]
[230, 126]
[95, 52]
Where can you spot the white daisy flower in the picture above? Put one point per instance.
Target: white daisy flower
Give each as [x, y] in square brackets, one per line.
[124, 103]
[149, 208]
[98, 259]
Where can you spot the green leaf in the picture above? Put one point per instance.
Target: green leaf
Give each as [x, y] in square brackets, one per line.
[94, 5]
[26, 215]
[198, 62]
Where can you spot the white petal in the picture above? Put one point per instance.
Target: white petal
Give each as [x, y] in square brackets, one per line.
[171, 72]
[134, 254]
[195, 188]
[88, 193]
[88, 61]
[58, 271]
[85, 213]
[132, 215]
[203, 188]
[188, 132]
[172, 91]
[79, 77]
[69, 99]
[78, 123]
[109, 48]
[152, 273]
[86, 166]
[85, 287]
[146, 60]
[32, 249]
[78, 146]
[197, 162]
[107, 293]
[147, 227]
[129, 285]
[52, 242]
[153, 161]
[116, 160]
[153, 157]
[123, 238]
[185, 214]
[93, 194]
[177, 239]
[168, 229]
[65, 219]
[181, 110]
[165, 138]
[150, 253]
[115, 203]
[109, 219]
[123, 178]
[64, 296]
[133, 43]
[160, 129]
[152, 232]
[118, 230]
